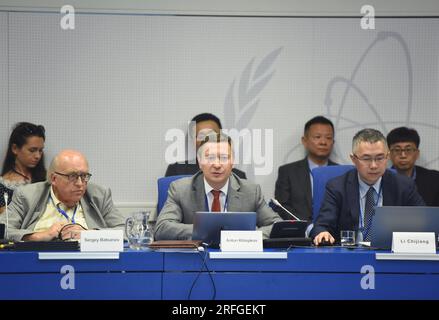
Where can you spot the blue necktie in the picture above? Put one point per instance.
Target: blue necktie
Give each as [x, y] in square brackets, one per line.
[369, 211]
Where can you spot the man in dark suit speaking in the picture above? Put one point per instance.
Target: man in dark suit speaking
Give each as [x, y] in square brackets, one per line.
[215, 188]
[350, 199]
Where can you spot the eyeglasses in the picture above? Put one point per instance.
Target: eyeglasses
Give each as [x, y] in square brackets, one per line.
[408, 151]
[73, 177]
[368, 160]
[222, 158]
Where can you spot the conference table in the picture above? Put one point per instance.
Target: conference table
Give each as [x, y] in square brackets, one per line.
[299, 273]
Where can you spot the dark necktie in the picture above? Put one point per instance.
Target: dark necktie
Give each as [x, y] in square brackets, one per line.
[216, 207]
[369, 211]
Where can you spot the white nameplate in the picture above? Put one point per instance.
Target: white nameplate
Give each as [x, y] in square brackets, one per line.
[102, 240]
[414, 242]
[241, 241]
[248, 255]
[78, 255]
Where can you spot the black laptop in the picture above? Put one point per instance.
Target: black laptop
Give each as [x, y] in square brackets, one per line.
[391, 219]
[208, 225]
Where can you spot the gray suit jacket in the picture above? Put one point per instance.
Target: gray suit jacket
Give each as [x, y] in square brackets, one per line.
[187, 195]
[29, 202]
[293, 189]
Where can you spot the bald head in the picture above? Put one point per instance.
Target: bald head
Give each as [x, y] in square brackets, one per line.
[67, 175]
[64, 161]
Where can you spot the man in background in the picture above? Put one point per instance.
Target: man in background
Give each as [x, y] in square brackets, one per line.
[404, 152]
[205, 123]
[295, 182]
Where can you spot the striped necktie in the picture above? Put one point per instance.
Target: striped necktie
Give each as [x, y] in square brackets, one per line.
[369, 211]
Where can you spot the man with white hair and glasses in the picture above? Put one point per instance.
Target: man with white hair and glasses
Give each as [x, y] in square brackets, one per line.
[62, 206]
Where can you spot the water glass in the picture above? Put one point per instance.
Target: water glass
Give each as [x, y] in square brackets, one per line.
[347, 238]
[138, 231]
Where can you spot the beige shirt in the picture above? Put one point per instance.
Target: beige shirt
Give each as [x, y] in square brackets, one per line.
[51, 214]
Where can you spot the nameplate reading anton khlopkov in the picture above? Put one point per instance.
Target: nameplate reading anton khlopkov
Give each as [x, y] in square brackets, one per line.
[241, 241]
[102, 240]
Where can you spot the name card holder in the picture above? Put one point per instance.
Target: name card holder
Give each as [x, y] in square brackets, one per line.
[102, 241]
[414, 242]
[241, 241]
[248, 255]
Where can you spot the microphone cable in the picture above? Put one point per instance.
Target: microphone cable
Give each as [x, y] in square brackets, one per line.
[203, 265]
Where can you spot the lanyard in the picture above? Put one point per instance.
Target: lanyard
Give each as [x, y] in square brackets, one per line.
[65, 213]
[207, 203]
[366, 231]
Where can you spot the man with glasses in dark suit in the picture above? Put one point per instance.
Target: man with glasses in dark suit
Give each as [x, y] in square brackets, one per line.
[350, 200]
[404, 152]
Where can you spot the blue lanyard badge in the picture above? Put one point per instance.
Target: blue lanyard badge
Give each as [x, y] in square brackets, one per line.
[65, 213]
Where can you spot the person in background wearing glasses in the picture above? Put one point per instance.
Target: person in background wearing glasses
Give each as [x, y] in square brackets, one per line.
[205, 123]
[62, 206]
[404, 152]
[350, 199]
[24, 160]
[215, 188]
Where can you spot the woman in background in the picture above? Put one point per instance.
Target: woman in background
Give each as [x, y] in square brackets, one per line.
[24, 160]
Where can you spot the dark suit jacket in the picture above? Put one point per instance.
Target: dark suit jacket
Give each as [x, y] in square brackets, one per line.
[293, 189]
[341, 206]
[186, 168]
[427, 182]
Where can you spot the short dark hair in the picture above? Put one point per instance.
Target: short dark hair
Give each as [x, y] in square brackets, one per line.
[216, 138]
[206, 117]
[403, 134]
[318, 120]
[368, 135]
[19, 135]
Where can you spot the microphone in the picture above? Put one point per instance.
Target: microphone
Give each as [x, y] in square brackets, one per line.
[6, 197]
[277, 204]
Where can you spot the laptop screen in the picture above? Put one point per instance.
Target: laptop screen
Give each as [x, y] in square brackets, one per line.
[208, 225]
[402, 219]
